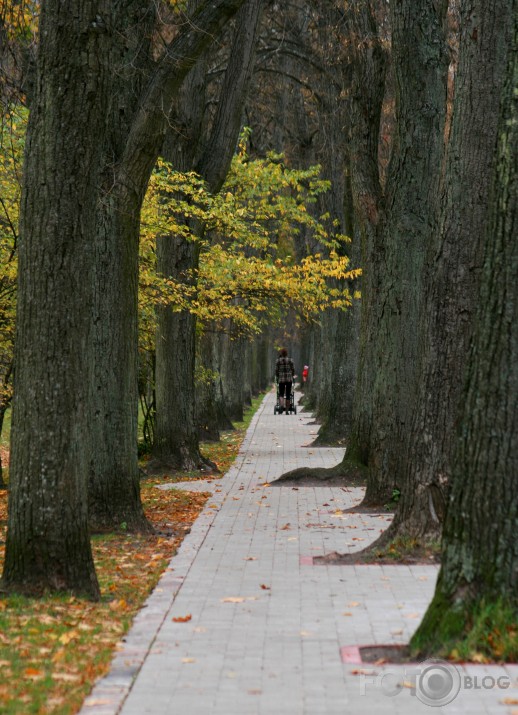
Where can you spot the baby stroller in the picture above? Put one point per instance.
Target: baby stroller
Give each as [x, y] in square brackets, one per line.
[290, 405]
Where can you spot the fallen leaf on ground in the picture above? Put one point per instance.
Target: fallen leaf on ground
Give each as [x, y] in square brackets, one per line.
[33, 673]
[182, 619]
[67, 637]
[67, 677]
[265, 587]
[362, 671]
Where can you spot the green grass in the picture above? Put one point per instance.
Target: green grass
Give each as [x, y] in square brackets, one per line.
[468, 631]
[409, 548]
[6, 429]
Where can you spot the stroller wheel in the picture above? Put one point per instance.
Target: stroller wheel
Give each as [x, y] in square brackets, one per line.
[294, 410]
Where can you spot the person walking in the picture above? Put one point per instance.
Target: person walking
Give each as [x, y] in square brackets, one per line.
[284, 374]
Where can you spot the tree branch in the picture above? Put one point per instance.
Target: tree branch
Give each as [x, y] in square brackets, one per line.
[151, 122]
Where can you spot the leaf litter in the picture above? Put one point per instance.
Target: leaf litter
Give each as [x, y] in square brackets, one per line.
[53, 649]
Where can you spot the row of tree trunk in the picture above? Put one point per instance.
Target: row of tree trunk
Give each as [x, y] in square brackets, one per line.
[432, 229]
[435, 405]
[98, 119]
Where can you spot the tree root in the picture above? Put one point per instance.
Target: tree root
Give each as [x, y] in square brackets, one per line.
[161, 467]
[387, 550]
[345, 474]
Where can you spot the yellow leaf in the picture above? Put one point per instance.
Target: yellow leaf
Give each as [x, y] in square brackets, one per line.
[65, 638]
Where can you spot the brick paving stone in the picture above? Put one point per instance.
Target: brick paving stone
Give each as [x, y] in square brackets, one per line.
[250, 650]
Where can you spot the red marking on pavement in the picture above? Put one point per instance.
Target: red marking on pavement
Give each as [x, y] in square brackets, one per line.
[350, 654]
[306, 561]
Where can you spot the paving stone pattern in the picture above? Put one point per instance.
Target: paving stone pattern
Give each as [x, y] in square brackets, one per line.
[270, 633]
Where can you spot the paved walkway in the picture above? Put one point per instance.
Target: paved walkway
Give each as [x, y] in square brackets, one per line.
[271, 634]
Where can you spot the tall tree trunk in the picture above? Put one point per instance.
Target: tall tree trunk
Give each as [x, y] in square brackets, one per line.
[367, 89]
[176, 443]
[454, 265]
[135, 151]
[480, 550]
[232, 359]
[114, 481]
[207, 415]
[337, 421]
[407, 222]
[48, 544]
[177, 436]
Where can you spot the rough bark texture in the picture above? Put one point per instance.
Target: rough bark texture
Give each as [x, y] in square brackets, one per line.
[480, 550]
[207, 417]
[367, 89]
[132, 164]
[398, 232]
[131, 172]
[453, 271]
[114, 491]
[48, 545]
[232, 366]
[337, 422]
[176, 437]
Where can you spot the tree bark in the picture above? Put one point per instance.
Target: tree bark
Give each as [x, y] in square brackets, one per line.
[337, 421]
[48, 545]
[480, 550]
[133, 159]
[367, 89]
[232, 366]
[114, 480]
[207, 415]
[177, 435]
[453, 270]
[406, 221]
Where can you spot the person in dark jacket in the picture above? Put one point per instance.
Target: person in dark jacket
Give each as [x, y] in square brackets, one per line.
[284, 374]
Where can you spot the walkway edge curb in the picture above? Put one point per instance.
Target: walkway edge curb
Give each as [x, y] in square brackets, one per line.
[110, 691]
